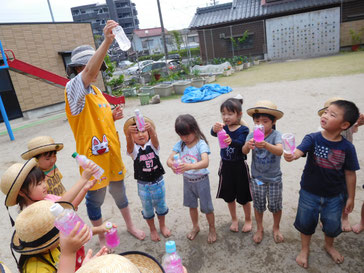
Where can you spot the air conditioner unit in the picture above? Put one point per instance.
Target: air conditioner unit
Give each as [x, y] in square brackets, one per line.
[222, 35]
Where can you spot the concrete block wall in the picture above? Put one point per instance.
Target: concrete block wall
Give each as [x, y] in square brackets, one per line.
[38, 44]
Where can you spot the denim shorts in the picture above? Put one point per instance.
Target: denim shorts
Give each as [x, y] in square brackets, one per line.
[95, 199]
[153, 198]
[311, 207]
[261, 191]
[194, 189]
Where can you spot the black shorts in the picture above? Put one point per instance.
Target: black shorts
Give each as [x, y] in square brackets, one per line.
[234, 182]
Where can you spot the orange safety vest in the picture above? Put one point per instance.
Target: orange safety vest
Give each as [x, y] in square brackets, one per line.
[96, 137]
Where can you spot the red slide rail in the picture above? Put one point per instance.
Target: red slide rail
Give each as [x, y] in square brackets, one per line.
[46, 76]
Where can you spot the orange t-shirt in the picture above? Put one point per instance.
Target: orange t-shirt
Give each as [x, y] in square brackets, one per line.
[96, 137]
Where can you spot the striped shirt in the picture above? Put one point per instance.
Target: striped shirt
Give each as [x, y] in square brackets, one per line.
[76, 93]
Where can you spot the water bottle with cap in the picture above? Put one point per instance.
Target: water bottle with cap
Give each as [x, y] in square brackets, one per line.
[176, 161]
[66, 219]
[83, 161]
[111, 236]
[139, 119]
[120, 37]
[171, 261]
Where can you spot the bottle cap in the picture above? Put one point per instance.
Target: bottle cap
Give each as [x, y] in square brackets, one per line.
[56, 209]
[176, 156]
[170, 247]
[137, 111]
[74, 155]
[108, 225]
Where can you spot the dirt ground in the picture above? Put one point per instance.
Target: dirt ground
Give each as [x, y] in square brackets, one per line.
[233, 252]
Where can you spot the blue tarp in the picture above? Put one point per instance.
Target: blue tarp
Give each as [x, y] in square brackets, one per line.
[206, 92]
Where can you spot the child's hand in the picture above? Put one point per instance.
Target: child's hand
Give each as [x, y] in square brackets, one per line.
[261, 144]
[88, 257]
[117, 113]
[349, 206]
[217, 127]
[148, 127]
[175, 170]
[228, 140]
[184, 167]
[289, 157]
[251, 144]
[132, 129]
[89, 184]
[89, 171]
[360, 120]
[74, 241]
[103, 228]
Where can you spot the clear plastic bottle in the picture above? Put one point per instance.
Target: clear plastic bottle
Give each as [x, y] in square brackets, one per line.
[221, 135]
[176, 161]
[171, 261]
[120, 37]
[140, 122]
[83, 161]
[66, 219]
[111, 236]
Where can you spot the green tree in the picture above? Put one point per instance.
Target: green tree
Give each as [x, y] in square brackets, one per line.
[177, 37]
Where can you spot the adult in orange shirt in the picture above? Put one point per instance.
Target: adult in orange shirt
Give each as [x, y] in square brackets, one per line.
[92, 122]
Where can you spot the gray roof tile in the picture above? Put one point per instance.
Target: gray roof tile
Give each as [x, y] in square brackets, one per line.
[249, 9]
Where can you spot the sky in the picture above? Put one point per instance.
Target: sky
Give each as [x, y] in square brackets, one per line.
[177, 14]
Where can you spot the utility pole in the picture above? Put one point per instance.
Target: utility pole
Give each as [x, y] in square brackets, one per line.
[50, 10]
[163, 34]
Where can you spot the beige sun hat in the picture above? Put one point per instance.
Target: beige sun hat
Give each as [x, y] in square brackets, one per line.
[39, 145]
[265, 107]
[13, 178]
[129, 262]
[327, 104]
[34, 228]
[4, 268]
[131, 121]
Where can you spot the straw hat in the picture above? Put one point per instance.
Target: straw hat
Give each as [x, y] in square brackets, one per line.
[80, 57]
[130, 262]
[13, 178]
[327, 104]
[4, 268]
[265, 107]
[131, 121]
[39, 145]
[34, 228]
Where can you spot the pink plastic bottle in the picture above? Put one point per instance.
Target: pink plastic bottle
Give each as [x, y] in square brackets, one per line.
[176, 162]
[66, 219]
[140, 122]
[221, 135]
[258, 133]
[111, 236]
[171, 261]
[82, 160]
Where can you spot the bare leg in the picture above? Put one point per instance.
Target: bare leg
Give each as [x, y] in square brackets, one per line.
[162, 225]
[302, 257]
[153, 231]
[211, 238]
[97, 223]
[234, 220]
[195, 228]
[329, 247]
[258, 236]
[278, 237]
[345, 225]
[360, 227]
[248, 218]
[139, 234]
